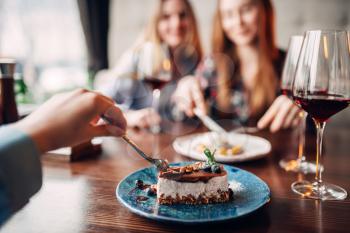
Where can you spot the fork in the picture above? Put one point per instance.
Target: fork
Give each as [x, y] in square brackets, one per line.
[160, 164]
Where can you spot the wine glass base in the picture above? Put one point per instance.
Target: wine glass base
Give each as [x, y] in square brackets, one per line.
[296, 165]
[323, 191]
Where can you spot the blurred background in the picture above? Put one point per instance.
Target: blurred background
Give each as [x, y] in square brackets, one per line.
[61, 45]
[292, 17]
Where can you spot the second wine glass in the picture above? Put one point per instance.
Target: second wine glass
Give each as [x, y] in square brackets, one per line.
[300, 164]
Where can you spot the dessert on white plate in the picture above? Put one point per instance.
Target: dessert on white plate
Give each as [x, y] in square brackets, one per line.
[236, 148]
[224, 149]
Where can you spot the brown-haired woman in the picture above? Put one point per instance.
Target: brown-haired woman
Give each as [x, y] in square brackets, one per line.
[170, 44]
[241, 76]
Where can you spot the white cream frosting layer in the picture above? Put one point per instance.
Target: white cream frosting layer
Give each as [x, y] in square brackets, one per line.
[210, 188]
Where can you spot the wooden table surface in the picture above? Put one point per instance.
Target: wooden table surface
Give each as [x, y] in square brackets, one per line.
[80, 196]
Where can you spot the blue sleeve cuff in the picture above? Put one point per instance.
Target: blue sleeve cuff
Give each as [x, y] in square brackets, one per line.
[20, 167]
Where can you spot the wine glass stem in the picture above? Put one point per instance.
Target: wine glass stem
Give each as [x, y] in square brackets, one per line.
[301, 136]
[155, 100]
[320, 128]
[155, 146]
[155, 104]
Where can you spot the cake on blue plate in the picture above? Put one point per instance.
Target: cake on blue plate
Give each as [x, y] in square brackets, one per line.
[196, 183]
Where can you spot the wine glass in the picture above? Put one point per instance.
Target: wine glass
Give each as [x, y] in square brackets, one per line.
[156, 78]
[322, 88]
[157, 83]
[300, 164]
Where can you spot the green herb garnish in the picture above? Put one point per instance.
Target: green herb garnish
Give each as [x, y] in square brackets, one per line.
[210, 156]
[211, 165]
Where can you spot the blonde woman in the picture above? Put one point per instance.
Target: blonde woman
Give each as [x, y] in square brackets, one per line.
[241, 76]
[169, 46]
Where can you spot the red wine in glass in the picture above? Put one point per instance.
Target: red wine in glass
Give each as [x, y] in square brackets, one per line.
[287, 92]
[156, 83]
[322, 106]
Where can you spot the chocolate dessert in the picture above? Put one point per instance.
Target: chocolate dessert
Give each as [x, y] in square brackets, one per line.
[197, 183]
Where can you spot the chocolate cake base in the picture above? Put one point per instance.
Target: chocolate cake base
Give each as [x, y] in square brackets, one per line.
[222, 196]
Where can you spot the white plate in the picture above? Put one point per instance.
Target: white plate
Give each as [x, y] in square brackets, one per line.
[253, 147]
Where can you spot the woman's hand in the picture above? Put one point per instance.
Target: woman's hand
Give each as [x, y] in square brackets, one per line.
[71, 118]
[283, 113]
[189, 95]
[143, 118]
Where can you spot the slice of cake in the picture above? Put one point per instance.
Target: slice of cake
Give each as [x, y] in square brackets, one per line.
[197, 183]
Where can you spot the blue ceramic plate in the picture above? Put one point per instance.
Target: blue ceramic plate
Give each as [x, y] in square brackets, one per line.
[250, 193]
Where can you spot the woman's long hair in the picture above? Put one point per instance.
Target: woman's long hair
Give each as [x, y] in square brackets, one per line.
[263, 91]
[190, 47]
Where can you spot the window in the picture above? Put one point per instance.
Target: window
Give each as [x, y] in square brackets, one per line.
[46, 38]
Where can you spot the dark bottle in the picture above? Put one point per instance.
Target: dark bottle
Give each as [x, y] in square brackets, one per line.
[8, 107]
